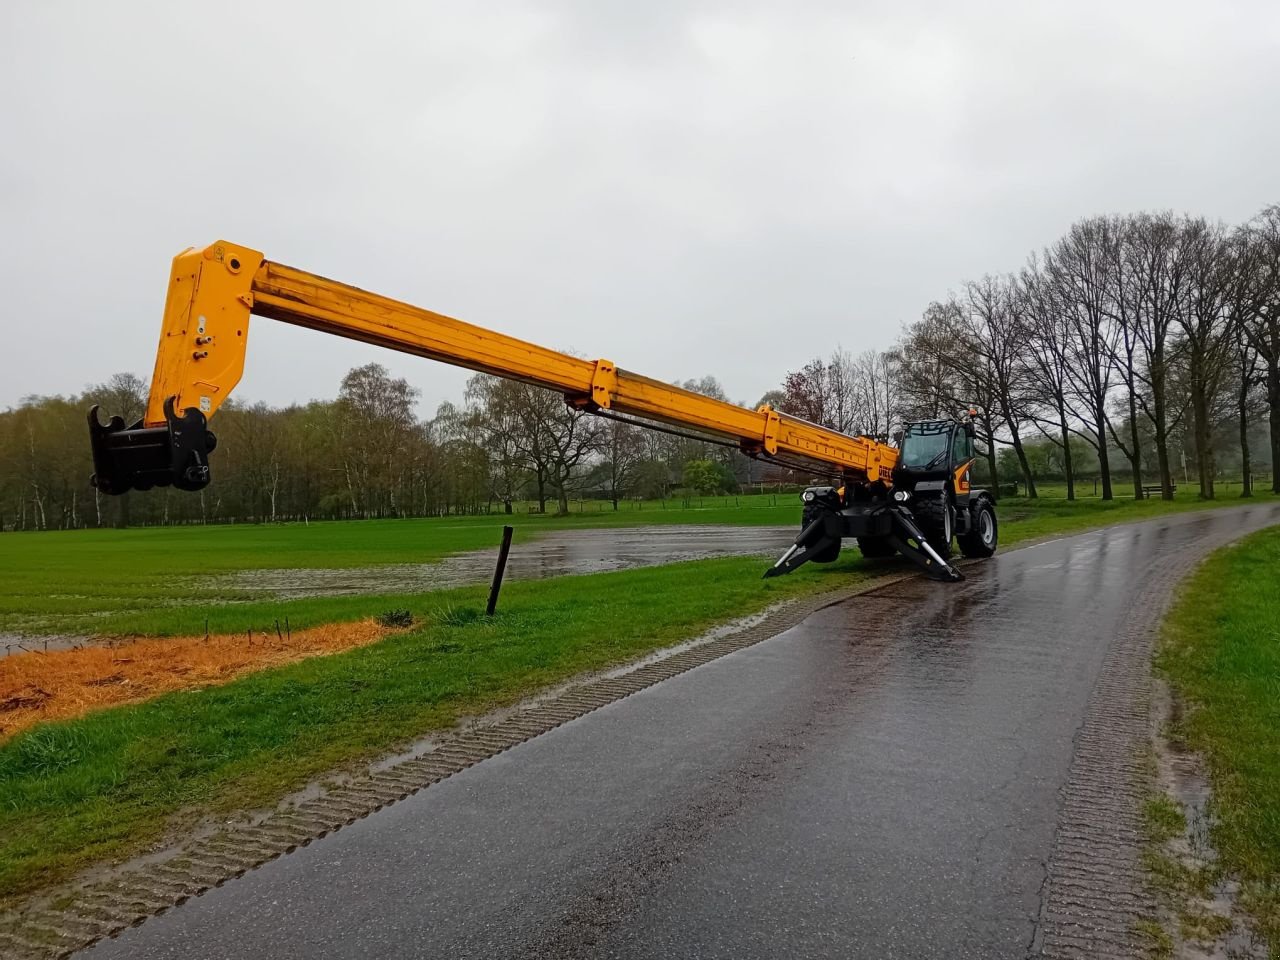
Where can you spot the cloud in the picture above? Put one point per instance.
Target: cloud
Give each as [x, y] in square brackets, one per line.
[686, 189]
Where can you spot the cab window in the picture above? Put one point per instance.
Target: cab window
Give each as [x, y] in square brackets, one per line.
[923, 447]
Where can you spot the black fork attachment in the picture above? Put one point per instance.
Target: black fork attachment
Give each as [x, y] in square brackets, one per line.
[139, 458]
[827, 529]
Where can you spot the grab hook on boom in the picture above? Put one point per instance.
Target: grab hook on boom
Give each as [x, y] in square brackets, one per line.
[141, 457]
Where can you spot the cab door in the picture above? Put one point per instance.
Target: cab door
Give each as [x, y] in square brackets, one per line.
[961, 461]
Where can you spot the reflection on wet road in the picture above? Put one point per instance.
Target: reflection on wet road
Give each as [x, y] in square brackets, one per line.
[888, 779]
[552, 554]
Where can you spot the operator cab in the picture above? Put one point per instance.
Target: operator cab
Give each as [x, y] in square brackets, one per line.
[933, 450]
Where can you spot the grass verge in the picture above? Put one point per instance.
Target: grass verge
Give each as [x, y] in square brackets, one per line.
[1221, 653]
[104, 785]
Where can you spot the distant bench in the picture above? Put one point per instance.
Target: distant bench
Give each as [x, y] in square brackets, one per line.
[1156, 489]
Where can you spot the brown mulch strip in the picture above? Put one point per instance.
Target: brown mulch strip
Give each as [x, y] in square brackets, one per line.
[40, 686]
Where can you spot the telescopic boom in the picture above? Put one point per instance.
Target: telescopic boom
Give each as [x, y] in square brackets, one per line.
[213, 292]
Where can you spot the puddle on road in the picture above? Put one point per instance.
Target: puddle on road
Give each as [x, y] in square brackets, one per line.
[552, 554]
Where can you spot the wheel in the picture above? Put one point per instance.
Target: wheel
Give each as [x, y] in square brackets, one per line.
[873, 547]
[984, 531]
[935, 520]
[828, 554]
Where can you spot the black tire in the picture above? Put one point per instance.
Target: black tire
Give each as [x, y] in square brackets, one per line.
[875, 547]
[935, 520]
[830, 554]
[984, 533]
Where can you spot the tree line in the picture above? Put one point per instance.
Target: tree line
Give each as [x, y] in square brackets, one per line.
[1129, 344]
[365, 454]
[1127, 347]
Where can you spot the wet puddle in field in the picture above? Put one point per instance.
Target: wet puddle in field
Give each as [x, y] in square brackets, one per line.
[552, 554]
[11, 643]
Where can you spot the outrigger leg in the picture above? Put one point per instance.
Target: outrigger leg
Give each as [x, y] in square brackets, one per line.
[818, 536]
[921, 553]
[906, 536]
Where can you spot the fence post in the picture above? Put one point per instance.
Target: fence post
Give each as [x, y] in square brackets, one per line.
[499, 570]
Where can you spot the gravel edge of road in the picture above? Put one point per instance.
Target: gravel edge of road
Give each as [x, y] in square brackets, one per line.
[77, 914]
[1096, 897]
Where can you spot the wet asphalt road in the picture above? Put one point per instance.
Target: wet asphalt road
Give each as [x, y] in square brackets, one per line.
[882, 781]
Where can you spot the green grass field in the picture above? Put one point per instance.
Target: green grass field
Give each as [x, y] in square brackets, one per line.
[114, 582]
[74, 792]
[1221, 652]
[157, 581]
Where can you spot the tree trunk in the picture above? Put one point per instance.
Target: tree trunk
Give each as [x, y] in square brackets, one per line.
[1067, 467]
[991, 465]
[542, 493]
[1246, 478]
[1273, 398]
[562, 495]
[1204, 454]
[1159, 425]
[1006, 409]
[1025, 466]
[1104, 461]
[1135, 458]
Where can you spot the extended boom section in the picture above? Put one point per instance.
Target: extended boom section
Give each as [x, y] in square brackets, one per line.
[204, 337]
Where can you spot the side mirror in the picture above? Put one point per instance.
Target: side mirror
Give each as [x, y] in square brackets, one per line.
[970, 429]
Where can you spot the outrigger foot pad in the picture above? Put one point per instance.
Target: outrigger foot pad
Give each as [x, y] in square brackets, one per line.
[139, 457]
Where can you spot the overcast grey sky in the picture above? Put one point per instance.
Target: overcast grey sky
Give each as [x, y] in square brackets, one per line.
[684, 188]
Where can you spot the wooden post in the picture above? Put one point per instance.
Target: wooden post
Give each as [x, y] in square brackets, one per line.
[499, 571]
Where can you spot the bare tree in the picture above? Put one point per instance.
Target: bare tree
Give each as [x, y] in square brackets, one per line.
[572, 436]
[1127, 298]
[994, 343]
[494, 407]
[877, 402]
[622, 450]
[375, 416]
[1204, 319]
[1079, 267]
[806, 393]
[1154, 268]
[937, 377]
[1260, 314]
[1046, 361]
[1247, 377]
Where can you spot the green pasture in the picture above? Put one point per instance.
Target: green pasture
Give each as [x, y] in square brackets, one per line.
[162, 580]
